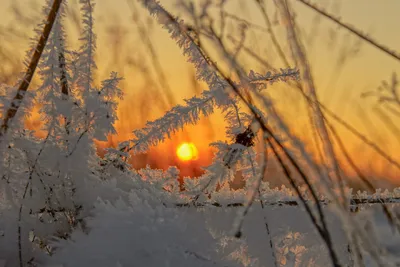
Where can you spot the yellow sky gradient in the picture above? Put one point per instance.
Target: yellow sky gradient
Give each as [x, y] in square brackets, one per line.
[339, 89]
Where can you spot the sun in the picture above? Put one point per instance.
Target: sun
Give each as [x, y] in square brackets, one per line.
[187, 151]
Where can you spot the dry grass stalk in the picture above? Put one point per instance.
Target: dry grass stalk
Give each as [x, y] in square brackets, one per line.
[24, 85]
[361, 35]
[309, 88]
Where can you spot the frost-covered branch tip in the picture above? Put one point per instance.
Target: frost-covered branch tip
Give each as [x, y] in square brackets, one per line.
[154, 132]
[269, 77]
[86, 61]
[34, 61]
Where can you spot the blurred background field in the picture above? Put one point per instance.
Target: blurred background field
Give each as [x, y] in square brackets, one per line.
[157, 76]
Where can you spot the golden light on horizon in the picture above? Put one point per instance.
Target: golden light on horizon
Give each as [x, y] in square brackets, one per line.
[187, 151]
[333, 86]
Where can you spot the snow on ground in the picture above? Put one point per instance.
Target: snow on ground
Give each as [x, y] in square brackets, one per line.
[200, 237]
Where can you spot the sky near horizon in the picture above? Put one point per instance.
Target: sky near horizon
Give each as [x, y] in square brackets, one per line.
[340, 89]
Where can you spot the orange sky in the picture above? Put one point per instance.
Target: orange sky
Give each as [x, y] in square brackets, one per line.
[339, 90]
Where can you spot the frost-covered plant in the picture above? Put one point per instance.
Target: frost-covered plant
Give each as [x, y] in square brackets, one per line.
[47, 179]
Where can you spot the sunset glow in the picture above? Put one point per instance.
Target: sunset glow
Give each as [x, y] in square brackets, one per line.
[117, 37]
[187, 151]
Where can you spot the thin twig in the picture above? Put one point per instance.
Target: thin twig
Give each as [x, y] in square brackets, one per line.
[32, 169]
[353, 30]
[274, 40]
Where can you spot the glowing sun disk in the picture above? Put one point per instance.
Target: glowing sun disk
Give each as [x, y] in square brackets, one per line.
[187, 151]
